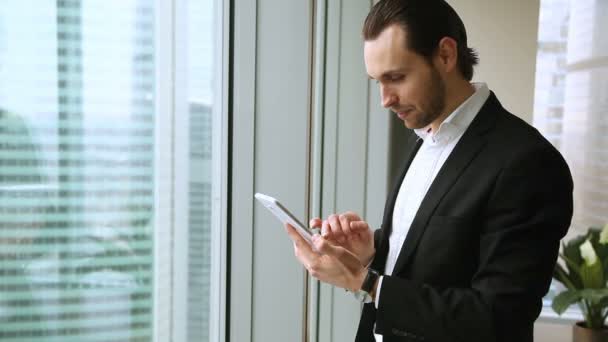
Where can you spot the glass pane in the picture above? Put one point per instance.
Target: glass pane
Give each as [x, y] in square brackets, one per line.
[571, 101]
[202, 70]
[77, 123]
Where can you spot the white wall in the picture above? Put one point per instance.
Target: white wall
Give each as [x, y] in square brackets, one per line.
[505, 34]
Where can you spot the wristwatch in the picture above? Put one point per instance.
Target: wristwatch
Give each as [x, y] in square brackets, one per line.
[364, 294]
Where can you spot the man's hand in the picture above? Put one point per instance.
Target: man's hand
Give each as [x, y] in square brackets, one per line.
[349, 231]
[335, 265]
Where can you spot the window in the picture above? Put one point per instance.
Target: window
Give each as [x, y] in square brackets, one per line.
[571, 101]
[200, 99]
[111, 182]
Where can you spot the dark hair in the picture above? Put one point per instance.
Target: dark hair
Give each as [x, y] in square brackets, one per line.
[426, 22]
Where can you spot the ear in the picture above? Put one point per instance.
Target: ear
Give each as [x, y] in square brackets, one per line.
[447, 54]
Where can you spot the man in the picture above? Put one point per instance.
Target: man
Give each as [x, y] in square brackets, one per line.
[471, 230]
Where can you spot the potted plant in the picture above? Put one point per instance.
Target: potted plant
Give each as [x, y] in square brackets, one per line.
[584, 274]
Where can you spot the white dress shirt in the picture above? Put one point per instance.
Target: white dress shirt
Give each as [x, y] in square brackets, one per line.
[435, 149]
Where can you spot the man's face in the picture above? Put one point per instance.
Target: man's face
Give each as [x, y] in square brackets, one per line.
[409, 85]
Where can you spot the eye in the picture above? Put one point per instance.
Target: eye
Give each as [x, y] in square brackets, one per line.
[396, 78]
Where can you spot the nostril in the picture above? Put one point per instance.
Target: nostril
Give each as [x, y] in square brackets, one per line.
[388, 103]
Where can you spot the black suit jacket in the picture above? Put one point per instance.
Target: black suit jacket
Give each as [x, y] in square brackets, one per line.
[480, 253]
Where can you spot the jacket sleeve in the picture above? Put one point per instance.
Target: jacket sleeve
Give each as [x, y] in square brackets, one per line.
[528, 211]
[377, 237]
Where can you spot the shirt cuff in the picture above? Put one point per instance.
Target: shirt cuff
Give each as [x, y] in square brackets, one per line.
[377, 299]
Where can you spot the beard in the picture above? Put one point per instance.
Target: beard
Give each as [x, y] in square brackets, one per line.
[434, 103]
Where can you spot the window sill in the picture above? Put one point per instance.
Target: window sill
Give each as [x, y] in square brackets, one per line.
[547, 315]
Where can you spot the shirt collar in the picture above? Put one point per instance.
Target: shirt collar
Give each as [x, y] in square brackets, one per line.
[460, 119]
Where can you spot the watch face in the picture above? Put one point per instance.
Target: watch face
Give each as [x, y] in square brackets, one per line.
[370, 280]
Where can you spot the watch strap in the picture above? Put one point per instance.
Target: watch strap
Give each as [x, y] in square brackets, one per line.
[370, 279]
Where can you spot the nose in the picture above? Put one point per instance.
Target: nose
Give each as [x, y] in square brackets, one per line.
[388, 97]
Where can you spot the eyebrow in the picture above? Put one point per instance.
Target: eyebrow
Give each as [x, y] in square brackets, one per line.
[387, 73]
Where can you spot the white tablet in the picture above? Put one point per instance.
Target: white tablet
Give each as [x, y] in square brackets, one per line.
[285, 216]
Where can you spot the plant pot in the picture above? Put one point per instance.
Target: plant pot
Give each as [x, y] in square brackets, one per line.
[582, 334]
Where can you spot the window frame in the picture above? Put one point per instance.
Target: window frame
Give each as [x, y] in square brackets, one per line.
[220, 197]
[172, 175]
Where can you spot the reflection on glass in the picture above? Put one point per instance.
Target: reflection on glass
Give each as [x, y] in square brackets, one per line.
[77, 121]
[199, 102]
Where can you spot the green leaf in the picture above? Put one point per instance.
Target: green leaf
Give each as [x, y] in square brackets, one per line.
[560, 275]
[602, 251]
[562, 301]
[571, 249]
[603, 302]
[604, 235]
[600, 248]
[573, 267]
[588, 253]
[595, 296]
[592, 275]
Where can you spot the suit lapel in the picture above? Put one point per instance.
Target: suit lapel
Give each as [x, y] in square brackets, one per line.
[465, 151]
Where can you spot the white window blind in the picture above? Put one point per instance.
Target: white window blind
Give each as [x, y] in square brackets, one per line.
[76, 175]
[571, 101]
[111, 181]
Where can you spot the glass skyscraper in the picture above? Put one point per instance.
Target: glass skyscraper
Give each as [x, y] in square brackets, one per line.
[77, 135]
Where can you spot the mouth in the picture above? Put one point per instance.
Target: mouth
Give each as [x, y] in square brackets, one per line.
[404, 114]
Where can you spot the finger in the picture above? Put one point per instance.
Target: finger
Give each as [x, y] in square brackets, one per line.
[302, 249]
[345, 224]
[336, 229]
[352, 216]
[358, 226]
[342, 255]
[326, 230]
[315, 223]
[324, 246]
[294, 235]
